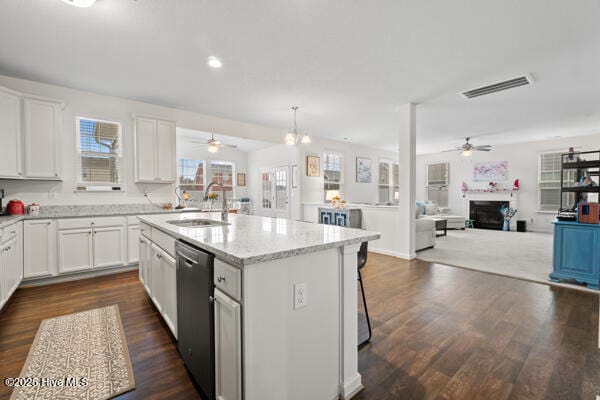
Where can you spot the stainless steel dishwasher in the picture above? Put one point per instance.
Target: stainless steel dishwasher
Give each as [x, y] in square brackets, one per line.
[195, 315]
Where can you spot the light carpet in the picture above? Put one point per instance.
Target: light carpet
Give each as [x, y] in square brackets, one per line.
[78, 356]
[524, 255]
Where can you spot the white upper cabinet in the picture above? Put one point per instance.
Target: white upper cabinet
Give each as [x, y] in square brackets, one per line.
[154, 150]
[10, 134]
[42, 133]
[165, 140]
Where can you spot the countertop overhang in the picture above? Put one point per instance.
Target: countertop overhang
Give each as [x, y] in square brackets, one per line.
[250, 239]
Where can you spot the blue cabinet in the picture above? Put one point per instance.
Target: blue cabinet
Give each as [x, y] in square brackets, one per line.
[348, 217]
[576, 253]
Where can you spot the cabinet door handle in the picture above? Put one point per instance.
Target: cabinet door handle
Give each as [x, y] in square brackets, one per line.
[141, 241]
[211, 299]
[159, 256]
[220, 278]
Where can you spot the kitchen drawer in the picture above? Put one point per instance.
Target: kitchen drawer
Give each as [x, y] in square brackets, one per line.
[97, 222]
[164, 241]
[146, 230]
[8, 232]
[228, 279]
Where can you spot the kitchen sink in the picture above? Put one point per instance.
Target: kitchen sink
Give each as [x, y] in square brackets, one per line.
[196, 223]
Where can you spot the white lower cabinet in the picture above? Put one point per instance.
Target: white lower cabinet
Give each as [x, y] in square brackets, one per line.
[40, 254]
[11, 260]
[163, 286]
[109, 246]
[228, 347]
[133, 254]
[75, 250]
[145, 266]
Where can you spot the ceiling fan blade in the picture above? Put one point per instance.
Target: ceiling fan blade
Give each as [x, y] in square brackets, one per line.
[485, 146]
[233, 146]
[486, 149]
[456, 149]
[197, 142]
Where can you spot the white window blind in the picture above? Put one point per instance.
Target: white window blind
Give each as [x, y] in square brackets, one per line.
[222, 172]
[332, 165]
[438, 178]
[191, 174]
[388, 182]
[99, 152]
[438, 174]
[549, 182]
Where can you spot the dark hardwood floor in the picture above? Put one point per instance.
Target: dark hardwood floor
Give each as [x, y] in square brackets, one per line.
[438, 333]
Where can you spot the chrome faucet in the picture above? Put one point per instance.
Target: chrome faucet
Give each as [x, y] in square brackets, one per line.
[224, 208]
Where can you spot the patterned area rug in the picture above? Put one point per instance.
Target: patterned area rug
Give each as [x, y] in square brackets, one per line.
[78, 356]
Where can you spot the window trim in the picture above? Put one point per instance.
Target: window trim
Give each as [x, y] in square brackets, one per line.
[95, 187]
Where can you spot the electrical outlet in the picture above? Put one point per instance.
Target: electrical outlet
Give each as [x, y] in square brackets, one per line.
[300, 295]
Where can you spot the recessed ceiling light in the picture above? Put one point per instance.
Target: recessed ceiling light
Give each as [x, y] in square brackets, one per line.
[80, 3]
[214, 62]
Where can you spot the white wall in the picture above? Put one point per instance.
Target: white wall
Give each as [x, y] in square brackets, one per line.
[522, 161]
[187, 149]
[312, 187]
[118, 109]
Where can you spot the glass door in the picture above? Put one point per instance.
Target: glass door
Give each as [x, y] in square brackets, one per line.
[275, 192]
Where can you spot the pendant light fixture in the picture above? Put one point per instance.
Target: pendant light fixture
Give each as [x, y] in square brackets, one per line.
[291, 138]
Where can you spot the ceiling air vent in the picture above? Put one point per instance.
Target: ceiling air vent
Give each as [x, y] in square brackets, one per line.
[497, 87]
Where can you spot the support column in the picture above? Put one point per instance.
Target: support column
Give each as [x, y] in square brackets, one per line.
[407, 138]
[350, 379]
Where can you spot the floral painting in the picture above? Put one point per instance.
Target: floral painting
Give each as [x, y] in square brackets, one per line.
[363, 170]
[489, 171]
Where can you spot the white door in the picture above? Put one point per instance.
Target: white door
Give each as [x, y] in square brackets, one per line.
[165, 156]
[275, 192]
[10, 134]
[169, 302]
[145, 150]
[281, 177]
[42, 125]
[228, 348]
[156, 277]
[109, 246]
[40, 257]
[133, 248]
[75, 251]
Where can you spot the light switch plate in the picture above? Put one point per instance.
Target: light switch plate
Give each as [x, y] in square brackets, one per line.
[300, 295]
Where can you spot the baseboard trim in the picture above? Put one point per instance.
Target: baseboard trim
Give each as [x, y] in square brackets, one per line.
[76, 276]
[350, 388]
[396, 254]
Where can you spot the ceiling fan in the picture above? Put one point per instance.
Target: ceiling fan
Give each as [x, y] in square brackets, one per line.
[214, 145]
[466, 149]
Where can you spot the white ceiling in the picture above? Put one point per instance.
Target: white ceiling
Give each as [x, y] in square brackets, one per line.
[347, 64]
[190, 137]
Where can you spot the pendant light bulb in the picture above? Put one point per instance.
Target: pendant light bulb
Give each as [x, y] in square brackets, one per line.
[305, 139]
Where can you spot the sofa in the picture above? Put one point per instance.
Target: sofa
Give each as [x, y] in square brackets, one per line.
[425, 233]
[429, 210]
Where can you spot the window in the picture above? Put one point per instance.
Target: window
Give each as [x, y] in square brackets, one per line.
[99, 153]
[388, 182]
[222, 172]
[194, 175]
[191, 174]
[549, 182]
[333, 175]
[438, 178]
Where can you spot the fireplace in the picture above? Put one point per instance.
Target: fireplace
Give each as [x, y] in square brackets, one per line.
[486, 214]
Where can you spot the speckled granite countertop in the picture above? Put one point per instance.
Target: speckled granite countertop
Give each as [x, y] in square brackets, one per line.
[101, 210]
[250, 239]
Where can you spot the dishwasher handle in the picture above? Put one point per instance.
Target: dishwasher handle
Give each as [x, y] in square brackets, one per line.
[187, 261]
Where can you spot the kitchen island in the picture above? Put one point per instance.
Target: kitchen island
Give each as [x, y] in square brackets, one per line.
[268, 344]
